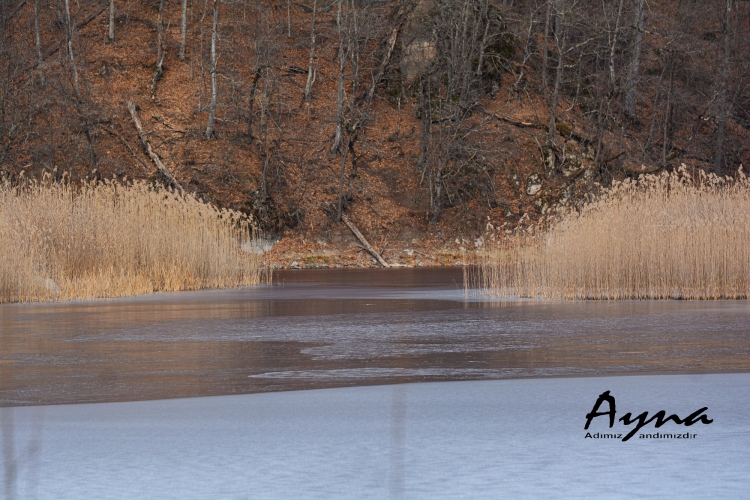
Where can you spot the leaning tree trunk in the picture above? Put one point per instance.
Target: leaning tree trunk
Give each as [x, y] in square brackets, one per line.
[212, 108]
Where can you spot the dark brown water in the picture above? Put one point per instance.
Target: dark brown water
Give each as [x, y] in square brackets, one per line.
[332, 328]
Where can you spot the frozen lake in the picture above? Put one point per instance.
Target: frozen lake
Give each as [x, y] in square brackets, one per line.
[198, 394]
[324, 329]
[480, 439]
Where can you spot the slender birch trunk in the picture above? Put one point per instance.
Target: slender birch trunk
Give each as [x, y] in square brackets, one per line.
[212, 108]
[183, 29]
[340, 97]
[111, 20]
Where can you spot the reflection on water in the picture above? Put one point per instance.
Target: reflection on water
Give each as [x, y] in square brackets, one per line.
[315, 329]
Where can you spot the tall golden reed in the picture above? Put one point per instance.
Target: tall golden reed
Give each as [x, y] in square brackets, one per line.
[107, 239]
[672, 235]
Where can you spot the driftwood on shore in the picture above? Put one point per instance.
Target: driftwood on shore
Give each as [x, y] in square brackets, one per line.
[144, 139]
[364, 242]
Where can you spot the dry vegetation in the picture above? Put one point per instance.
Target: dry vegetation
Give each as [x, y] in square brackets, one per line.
[674, 235]
[423, 120]
[109, 239]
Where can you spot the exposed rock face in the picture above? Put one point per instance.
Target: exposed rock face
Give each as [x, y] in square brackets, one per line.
[416, 58]
[533, 184]
[418, 49]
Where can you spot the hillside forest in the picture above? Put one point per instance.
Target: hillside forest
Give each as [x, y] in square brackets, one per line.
[428, 123]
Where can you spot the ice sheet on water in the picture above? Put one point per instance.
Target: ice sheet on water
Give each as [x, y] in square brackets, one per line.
[480, 439]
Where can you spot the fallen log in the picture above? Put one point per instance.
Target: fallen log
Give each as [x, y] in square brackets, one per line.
[154, 157]
[510, 121]
[362, 240]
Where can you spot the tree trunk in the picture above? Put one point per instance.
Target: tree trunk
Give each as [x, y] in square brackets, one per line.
[526, 50]
[310, 66]
[74, 69]
[171, 181]
[354, 49]
[212, 107]
[425, 126]
[251, 103]
[654, 104]
[340, 96]
[635, 66]
[558, 18]
[159, 66]
[183, 29]
[545, 46]
[111, 20]
[555, 98]
[38, 40]
[264, 141]
[723, 101]
[613, 47]
[668, 114]
[364, 242]
[341, 183]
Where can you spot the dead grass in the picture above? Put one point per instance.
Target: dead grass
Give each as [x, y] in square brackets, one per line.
[664, 236]
[108, 239]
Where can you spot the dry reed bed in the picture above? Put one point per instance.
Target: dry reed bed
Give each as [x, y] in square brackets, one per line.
[673, 235]
[60, 242]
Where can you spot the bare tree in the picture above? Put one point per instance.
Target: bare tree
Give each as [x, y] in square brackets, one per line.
[69, 44]
[636, 63]
[310, 65]
[183, 29]
[38, 41]
[723, 100]
[160, 52]
[342, 56]
[111, 20]
[450, 90]
[560, 40]
[545, 46]
[212, 106]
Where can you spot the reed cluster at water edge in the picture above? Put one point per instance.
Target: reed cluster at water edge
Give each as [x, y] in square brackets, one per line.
[59, 241]
[677, 235]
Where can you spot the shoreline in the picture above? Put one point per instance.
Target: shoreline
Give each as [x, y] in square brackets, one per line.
[337, 251]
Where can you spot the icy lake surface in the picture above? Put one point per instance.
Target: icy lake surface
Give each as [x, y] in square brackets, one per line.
[198, 394]
[476, 439]
[321, 329]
